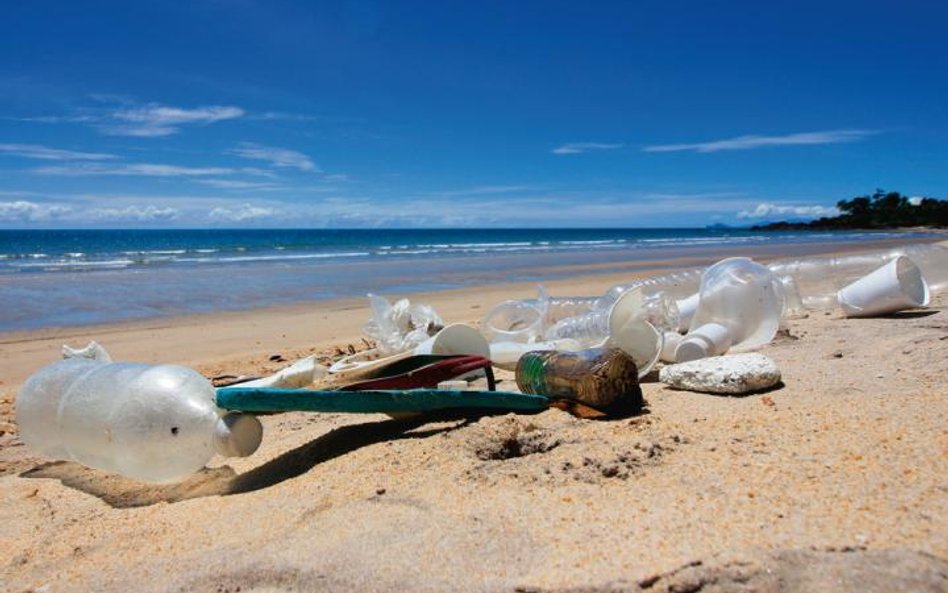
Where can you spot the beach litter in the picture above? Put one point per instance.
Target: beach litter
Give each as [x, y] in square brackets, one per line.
[582, 354]
[605, 379]
[731, 374]
[401, 326]
[739, 309]
[154, 423]
[893, 287]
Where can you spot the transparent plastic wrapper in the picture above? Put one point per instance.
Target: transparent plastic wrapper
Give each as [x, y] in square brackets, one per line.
[893, 287]
[402, 326]
[151, 423]
[740, 309]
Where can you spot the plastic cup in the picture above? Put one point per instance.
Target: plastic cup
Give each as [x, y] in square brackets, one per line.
[632, 334]
[455, 339]
[895, 286]
[513, 321]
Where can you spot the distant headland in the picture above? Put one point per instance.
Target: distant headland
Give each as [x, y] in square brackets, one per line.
[881, 210]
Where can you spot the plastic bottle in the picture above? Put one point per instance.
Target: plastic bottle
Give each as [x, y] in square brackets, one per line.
[151, 423]
[678, 285]
[740, 308]
[525, 320]
[596, 376]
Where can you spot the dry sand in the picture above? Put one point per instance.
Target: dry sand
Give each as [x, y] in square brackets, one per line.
[841, 473]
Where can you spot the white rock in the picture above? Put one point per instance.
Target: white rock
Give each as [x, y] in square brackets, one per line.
[731, 374]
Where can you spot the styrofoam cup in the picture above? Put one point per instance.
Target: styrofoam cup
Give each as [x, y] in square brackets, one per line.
[895, 286]
[455, 339]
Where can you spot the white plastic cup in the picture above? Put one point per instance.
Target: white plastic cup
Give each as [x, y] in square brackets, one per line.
[455, 339]
[895, 286]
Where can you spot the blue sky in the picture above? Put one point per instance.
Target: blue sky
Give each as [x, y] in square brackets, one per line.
[428, 114]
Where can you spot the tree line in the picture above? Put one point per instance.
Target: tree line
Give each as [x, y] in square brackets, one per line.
[881, 210]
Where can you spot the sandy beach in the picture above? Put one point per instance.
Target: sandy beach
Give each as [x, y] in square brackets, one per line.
[838, 476]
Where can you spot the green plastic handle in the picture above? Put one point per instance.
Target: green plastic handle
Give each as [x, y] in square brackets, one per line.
[266, 399]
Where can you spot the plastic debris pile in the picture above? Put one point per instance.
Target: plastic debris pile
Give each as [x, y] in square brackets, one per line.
[163, 423]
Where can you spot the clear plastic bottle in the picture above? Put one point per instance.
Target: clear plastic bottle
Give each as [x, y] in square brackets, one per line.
[740, 307]
[598, 377]
[151, 423]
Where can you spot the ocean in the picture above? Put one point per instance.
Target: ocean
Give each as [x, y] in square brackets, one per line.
[52, 278]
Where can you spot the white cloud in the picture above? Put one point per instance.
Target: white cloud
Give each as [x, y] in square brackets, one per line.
[277, 157]
[24, 211]
[241, 213]
[916, 200]
[581, 147]
[765, 210]
[35, 151]
[239, 185]
[753, 141]
[140, 170]
[154, 120]
[135, 214]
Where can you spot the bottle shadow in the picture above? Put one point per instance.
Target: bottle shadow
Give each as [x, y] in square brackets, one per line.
[120, 492]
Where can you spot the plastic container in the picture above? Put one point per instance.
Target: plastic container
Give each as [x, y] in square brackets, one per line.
[740, 308]
[895, 286]
[151, 423]
[596, 376]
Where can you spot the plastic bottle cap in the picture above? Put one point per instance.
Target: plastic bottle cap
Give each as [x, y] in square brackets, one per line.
[710, 339]
[238, 435]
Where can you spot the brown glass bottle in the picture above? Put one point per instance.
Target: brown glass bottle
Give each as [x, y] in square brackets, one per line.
[597, 377]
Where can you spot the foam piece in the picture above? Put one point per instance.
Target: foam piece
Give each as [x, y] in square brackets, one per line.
[733, 374]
